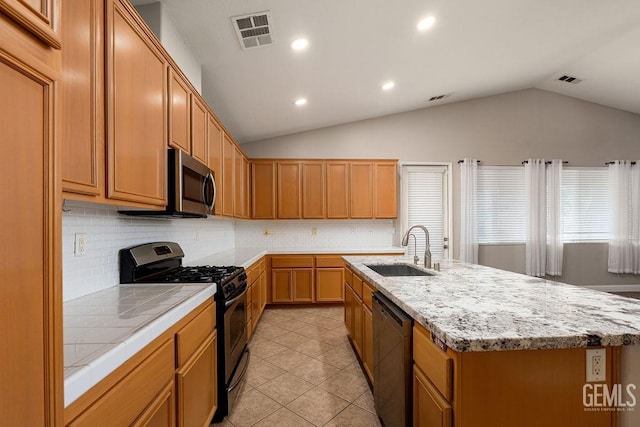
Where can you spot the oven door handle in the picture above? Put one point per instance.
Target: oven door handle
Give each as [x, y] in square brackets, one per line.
[231, 302]
[244, 370]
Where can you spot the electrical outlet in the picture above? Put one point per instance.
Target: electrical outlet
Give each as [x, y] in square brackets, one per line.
[314, 231]
[596, 365]
[266, 232]
[80, 245]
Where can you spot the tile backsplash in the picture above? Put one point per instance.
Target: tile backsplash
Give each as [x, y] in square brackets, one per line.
[106, 232]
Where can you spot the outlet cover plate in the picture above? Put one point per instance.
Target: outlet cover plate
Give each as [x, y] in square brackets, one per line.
[596, 365]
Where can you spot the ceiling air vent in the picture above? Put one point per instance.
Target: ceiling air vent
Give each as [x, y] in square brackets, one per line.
[569, 79]
[254, 30]
[439, 97]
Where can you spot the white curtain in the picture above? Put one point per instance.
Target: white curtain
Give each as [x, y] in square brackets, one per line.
[555, 243]
[468, 213]
[624, 213]
[535, 193]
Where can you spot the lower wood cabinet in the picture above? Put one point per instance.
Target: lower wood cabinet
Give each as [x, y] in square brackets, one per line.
[429, 408]
[329, 284]
[357, 324]
[367, 341]
[292, 285]
[348, 309]
[161, 412]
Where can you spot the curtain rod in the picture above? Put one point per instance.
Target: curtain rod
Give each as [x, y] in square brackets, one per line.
[462, 161]
[612, 163]
[564, 162]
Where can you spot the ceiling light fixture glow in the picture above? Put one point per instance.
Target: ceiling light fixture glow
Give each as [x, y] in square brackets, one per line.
[299, 44]
[300, 102]
[426, 23]
[388, 86]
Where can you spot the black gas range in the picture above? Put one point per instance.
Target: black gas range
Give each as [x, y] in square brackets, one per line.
[161, 262]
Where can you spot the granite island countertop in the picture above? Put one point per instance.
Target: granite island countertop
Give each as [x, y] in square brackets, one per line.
[476, 308]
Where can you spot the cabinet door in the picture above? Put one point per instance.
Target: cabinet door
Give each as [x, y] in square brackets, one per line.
[385, 190]
[329, 284]
[136, 105]
[357, 324]
[160, 413]
[337, 190]
[263, 291]
[179, 109]
[238, 187]
[198, 129]
[429, 408]
[82, 99]
[367, 341]
[289, 190]
[348, 309]
[313, 190]
[263, 190]
[228, 175]
[37, 16]
[303, 285]
[214, 132]
[256, 302]
[197, 386]
[281, 289]
[361, 180]
[31, 349]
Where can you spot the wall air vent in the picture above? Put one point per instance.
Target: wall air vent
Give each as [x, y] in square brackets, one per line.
[439, 97]
[254, 30]
[569, 79]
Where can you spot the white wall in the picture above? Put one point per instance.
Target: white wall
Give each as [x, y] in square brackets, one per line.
[160, 22]
[107, 231]
[499, 130]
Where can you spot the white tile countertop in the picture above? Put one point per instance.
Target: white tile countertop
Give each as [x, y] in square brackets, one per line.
[475, 308]
[104, 329]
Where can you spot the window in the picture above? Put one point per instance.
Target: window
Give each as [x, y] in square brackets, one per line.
[501, 206]
[585, 204]
[424, 193]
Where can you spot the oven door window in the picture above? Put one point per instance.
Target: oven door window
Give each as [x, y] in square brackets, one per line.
[235, 318]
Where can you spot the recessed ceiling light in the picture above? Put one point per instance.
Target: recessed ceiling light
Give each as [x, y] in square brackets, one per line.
[300, 102]
[299, 44]
[388, 86]
[426, 23]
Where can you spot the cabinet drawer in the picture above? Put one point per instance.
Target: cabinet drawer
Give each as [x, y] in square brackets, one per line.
[253, 273]
[127, 400]
[367, 294]
[189, 338]
[348, 276]
[435, 363]
[291, 261]
[329, 261]
[357, 285]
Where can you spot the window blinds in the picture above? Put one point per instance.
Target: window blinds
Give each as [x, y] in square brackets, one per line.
[502, 204]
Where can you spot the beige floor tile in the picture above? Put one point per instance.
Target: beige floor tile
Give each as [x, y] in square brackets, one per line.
[317, 406]
[290, 339]
[312, 347]
[283, 418]
[354, 369]
[338, 358]
[293, 325]
[224, 423]
[333, 337]
[252, 407]
[260, 371]
[265, 349]
[366, 401]
[348, 387]
[268, 331]
[354, 416]
[285, 388]
[314, 371]
[289, 359]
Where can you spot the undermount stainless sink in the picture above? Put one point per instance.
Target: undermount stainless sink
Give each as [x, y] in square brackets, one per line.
[398, 270]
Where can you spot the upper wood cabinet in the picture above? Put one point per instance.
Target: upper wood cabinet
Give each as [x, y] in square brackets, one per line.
[289, 190]
[263, 189]
[30, 221]
[337, 189]
[179, 113]
[36, 16]
[228, 172]
[239, 198]
[199, 147]
[361, 190]
[214, 132]
[82, 99]
[385, 196]
[313, 190]
[136, 105]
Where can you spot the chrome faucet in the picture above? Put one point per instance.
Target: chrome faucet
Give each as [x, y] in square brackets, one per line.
[415, 248]
[427, 249]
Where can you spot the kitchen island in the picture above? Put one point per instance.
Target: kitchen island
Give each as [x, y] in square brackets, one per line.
[495, 348]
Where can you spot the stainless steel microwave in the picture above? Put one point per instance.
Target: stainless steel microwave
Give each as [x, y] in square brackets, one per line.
[191, 188]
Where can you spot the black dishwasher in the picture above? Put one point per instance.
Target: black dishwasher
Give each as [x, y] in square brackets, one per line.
[392, 362]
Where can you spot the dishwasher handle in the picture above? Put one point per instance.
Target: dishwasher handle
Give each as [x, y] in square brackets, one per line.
[389, 310]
